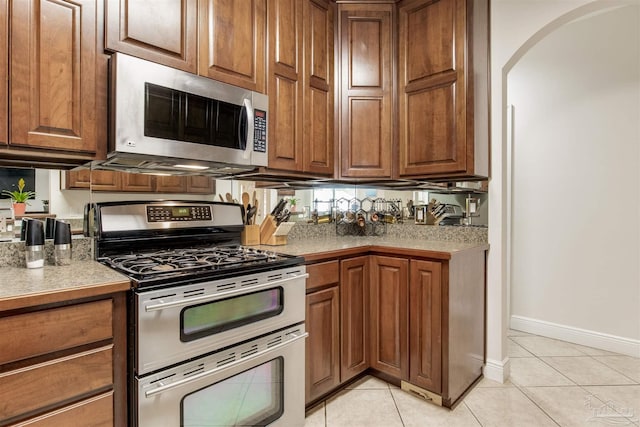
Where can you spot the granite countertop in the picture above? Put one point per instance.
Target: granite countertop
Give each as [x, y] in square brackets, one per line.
[23, 287]
[319, 248]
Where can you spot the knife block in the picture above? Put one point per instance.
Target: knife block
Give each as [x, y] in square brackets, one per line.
[273, 234]
[250, 236]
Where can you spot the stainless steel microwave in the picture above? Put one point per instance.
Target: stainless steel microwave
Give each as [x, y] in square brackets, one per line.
[168, 120]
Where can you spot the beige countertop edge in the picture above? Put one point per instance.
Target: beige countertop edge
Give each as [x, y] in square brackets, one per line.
[319, 249]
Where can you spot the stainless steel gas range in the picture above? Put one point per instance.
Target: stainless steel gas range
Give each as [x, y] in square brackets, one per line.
[216, 330]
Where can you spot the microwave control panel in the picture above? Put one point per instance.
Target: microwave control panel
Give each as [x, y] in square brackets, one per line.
[260, 131]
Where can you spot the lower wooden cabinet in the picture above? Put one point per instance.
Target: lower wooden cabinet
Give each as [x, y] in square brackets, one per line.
[101, 180]
[64, 365]
[425, 325]
[323, 343]
[409, 318]
[389, 339]
[354, 317]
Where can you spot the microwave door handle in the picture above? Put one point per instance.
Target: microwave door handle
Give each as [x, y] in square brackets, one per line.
[179, 383]
[221, 295]
[246, 117]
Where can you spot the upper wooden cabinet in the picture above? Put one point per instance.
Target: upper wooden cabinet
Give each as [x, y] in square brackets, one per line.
[103, 180]
[165, 32]
[232, 40]
[366, 118]
[443, 88]
[300, 86]
[56, 111]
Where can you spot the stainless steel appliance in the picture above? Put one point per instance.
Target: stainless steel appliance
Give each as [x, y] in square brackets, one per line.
[216, 329]
[167, 120]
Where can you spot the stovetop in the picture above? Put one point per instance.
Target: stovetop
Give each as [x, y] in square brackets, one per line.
[177, 266]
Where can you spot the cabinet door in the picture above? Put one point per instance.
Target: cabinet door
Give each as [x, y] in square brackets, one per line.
[366, 90]
[323, 343]
[86, 179]
[432, 92]
[136, 182]
[54, 75]
[171, 184]
[232, 38]
[319, 87]
[4, 69]
[354, 315]
[425, 325]
[164, 32]
[285, 84]
[200, 185]
[388, 334]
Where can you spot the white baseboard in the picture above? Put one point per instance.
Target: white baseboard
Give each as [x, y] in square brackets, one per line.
[497, 370]
[593, 339]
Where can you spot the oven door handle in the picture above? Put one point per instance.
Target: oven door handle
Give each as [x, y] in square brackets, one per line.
[220, 295]
[179, 383]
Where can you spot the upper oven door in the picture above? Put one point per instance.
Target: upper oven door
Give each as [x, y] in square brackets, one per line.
[164, 112]
[175, 324]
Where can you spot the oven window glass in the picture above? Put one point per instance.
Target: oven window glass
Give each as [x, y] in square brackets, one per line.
[214, 317]
[254, 397]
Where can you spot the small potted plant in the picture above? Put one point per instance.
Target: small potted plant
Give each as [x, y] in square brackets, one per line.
[19, 197]
[292, 203]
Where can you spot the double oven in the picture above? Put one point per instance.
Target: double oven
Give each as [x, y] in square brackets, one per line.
[216, 330]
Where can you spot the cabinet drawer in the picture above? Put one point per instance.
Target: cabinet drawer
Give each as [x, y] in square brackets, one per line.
[323, 274]
[94, 412]
[61, 380]
[40, 332]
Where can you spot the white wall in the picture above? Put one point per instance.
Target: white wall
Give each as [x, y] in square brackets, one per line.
[516, 26]
[576, 185]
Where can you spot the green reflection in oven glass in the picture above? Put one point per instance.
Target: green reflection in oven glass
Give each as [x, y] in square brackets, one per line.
[230, 313]
[254, 397]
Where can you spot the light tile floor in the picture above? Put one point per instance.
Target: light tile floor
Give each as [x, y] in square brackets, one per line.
[553, 383]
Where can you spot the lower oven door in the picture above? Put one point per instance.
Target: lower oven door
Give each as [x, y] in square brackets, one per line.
[178, 323]
[258, 383]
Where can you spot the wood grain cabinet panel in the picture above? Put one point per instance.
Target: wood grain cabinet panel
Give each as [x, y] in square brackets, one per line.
[323, 274]
[354, 316]
[54, 75]
[323, 343]
[425, 325]
[136, 182]
[443, 88]
[198, 184]
[164, 32]
[232, 39]
[54, 382]
[4, 72]
[58, 329]
[301, 86]
[85, 179]
[366, 90]
[389, 317]
[94, 412]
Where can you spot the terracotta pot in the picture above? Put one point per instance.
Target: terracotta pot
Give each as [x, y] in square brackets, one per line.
[19, 208]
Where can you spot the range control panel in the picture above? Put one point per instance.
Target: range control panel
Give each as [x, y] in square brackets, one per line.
[178, 213]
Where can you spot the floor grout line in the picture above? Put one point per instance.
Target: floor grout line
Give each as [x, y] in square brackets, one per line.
[472, 413]
[397, 408]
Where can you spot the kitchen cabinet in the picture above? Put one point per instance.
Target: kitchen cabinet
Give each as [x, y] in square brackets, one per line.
[56, 107]
[163, 32]
[443, 97]
[65, 362]
[425, 325]
[323, 326]
[389, 317]
[221, 39]
[232, 42]
[104, 180]
[300, 86]
[366, 74]
[354, 317]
